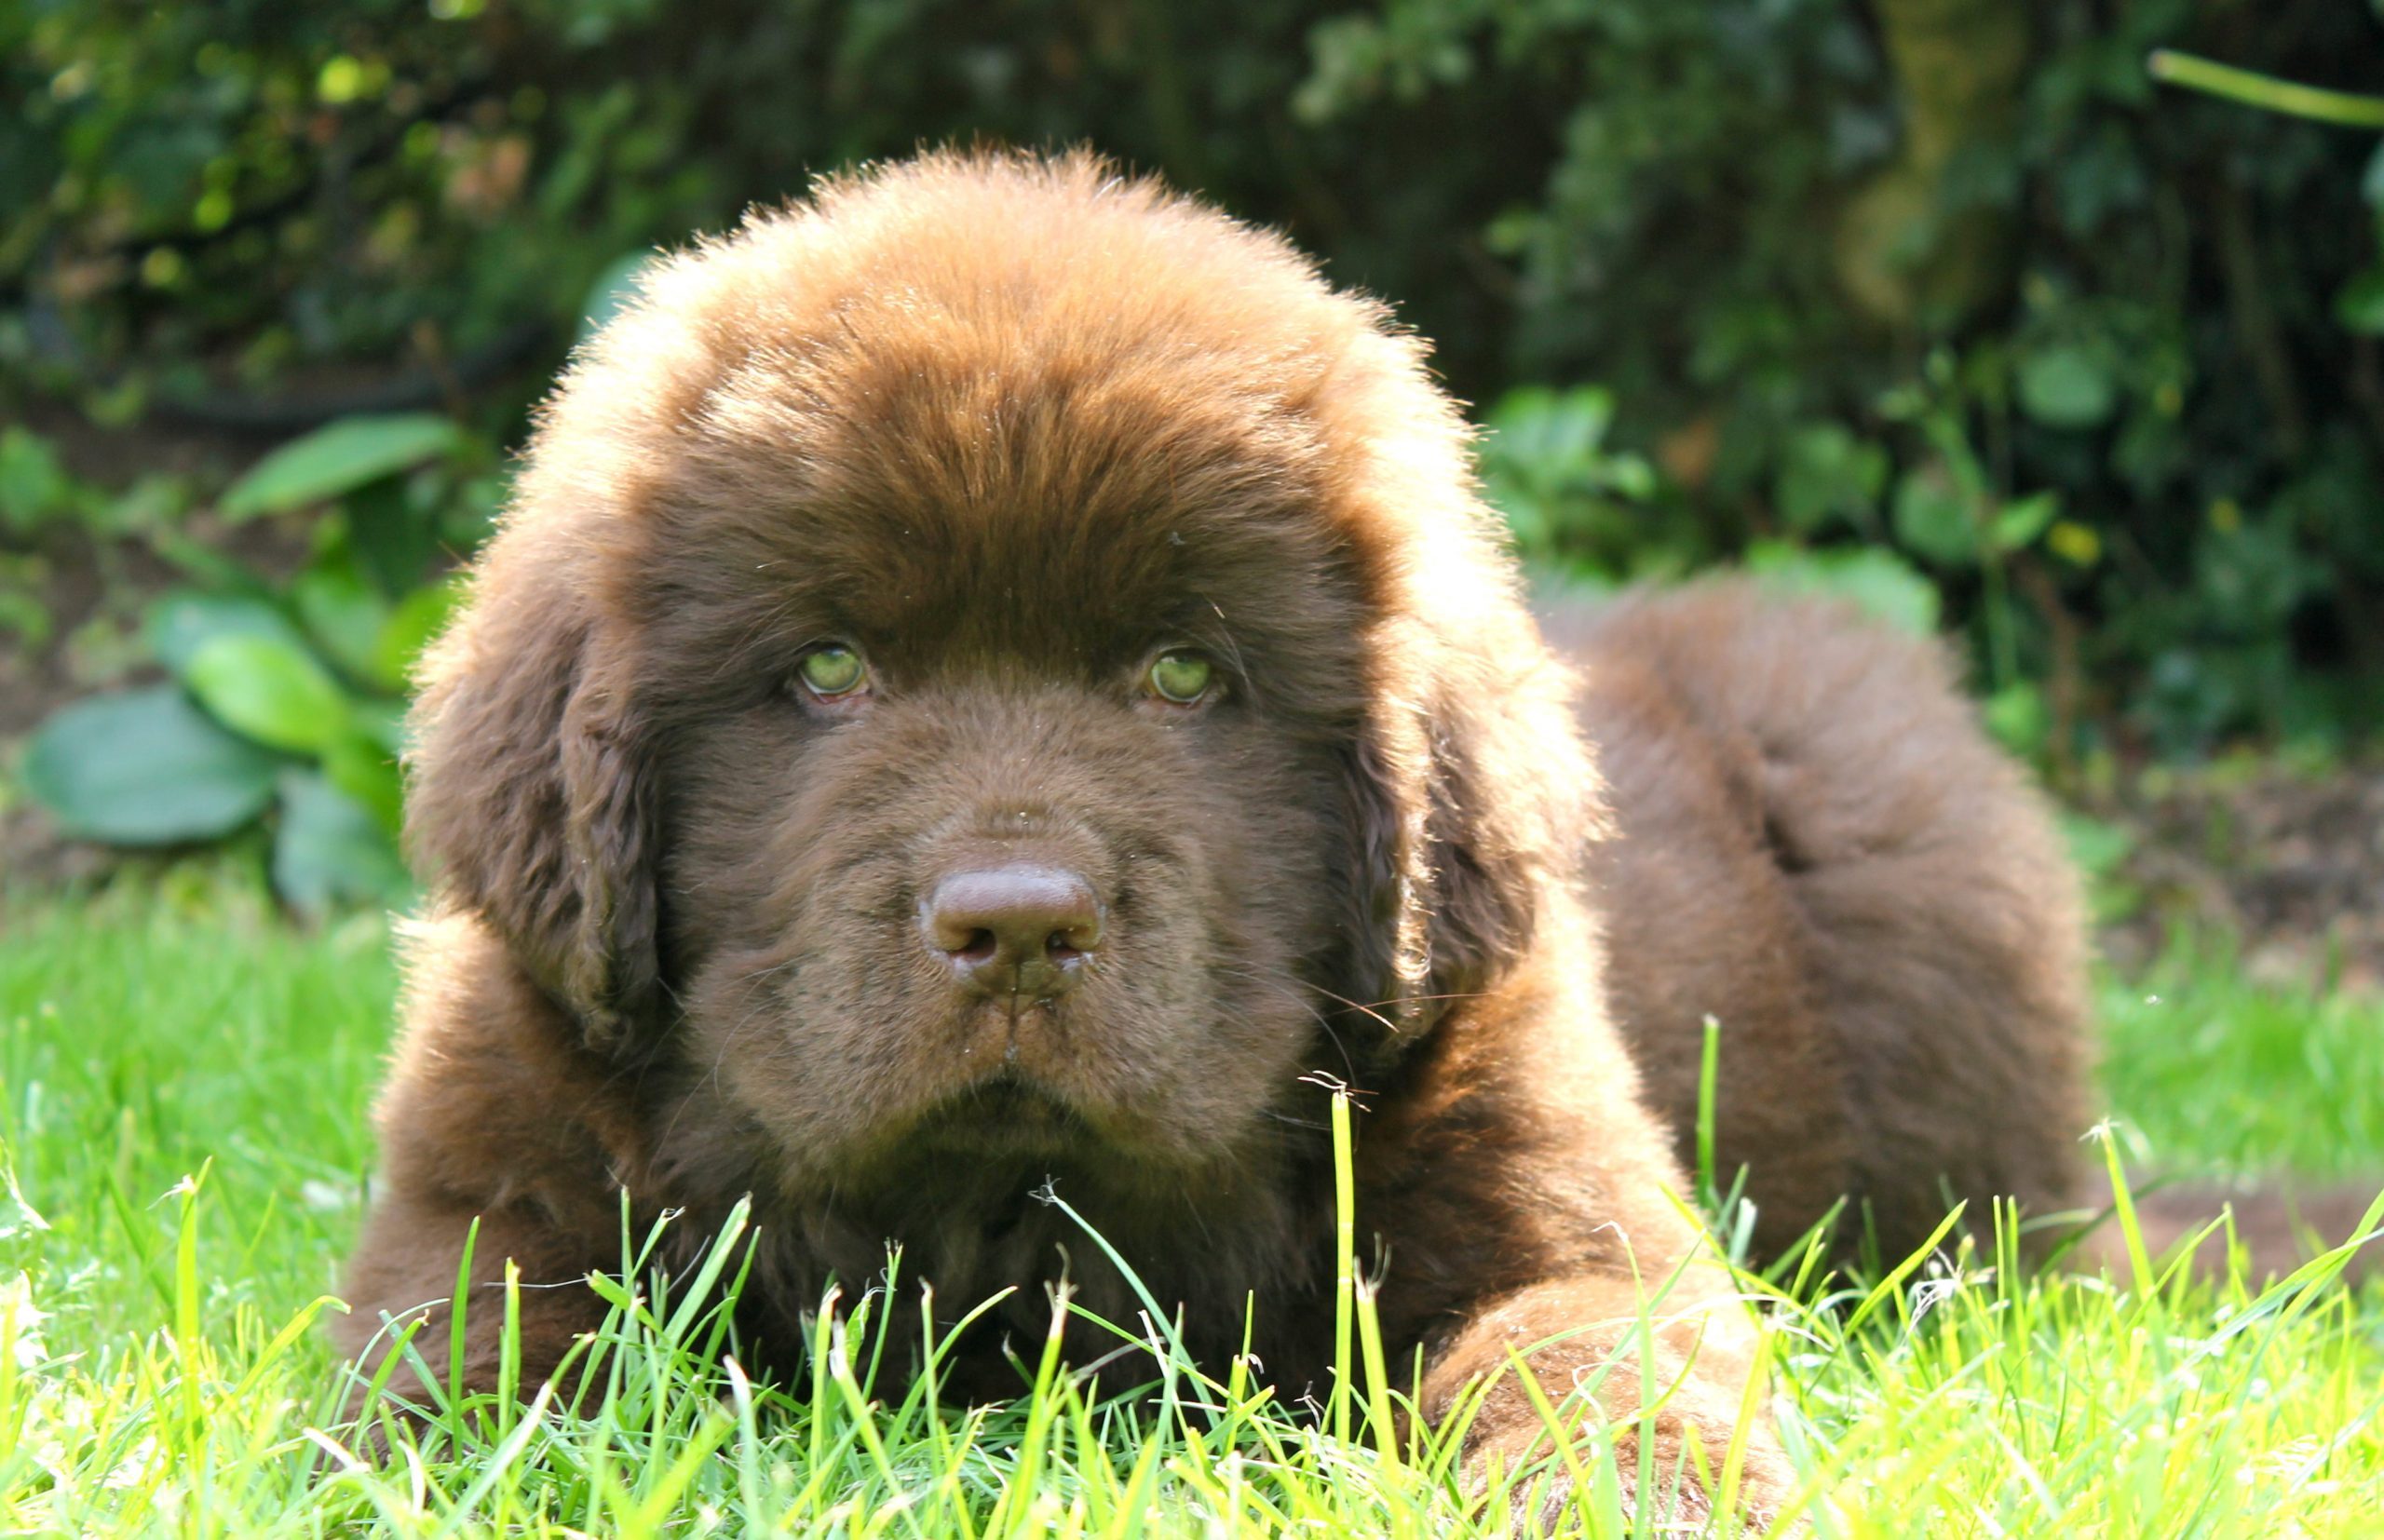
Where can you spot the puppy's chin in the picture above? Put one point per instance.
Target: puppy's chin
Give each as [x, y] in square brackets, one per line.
[1006, 1116]
[846, 1096]
[985, 1084]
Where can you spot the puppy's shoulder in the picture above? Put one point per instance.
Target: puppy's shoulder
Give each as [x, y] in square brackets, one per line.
[494, 1095]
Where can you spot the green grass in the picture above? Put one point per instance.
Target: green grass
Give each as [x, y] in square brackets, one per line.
[182, 1090]
[2207, 1070]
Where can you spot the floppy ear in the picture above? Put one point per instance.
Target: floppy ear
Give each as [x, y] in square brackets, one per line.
[1468, 793]
[1389, 963]
[530, 799]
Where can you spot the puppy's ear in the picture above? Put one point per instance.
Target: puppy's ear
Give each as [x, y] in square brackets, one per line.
[531, 800]
[1469, 794]
[1390, 964]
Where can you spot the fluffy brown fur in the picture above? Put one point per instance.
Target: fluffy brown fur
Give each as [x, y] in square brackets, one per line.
[1823, 852]
[1009, 428]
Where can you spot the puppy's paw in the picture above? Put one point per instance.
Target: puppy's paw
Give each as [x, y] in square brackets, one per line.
[1518, 1465]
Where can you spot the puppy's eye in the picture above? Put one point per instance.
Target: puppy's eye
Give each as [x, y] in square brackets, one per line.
[832, 670]
[1180, 677]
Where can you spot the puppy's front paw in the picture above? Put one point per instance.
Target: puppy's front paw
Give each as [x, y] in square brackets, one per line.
[1547, 1491]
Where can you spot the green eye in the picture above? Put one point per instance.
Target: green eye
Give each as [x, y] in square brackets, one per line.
[832, 670]
[1180, 677]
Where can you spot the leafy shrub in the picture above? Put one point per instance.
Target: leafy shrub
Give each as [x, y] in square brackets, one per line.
[288, 702]
[1959, 256]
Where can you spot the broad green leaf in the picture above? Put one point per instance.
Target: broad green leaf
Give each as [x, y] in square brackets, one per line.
[1933, 516]
[412, 626]
[1872, 578]
[328, 848]
[1629, 476]
[2067, 388]
[269, 690]
[381, 720]
[468, 517]
[393, 529]
[179, 624]
[345, 616]
[202, 564]
[337, 459]
[2017, 526]
[366, 770]
[2019, 719]
[146, 767]
[1558, 431]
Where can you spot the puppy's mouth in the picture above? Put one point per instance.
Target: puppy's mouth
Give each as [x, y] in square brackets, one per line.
[1006, 1112]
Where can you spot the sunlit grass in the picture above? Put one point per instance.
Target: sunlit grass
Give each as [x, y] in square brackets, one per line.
[182, 1085]
[2208, 1069]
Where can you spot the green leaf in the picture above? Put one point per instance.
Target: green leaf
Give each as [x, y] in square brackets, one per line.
[2098, 846]
[202, 564]
[469, 517]
[366, 770]
[412, 626]
[146, 767]
[269, 690]
[2067, 388]
[1873, 579]
[1558, 431]
[337, 459]
[345, 616]
[1828, 474]
[1933, 516]
[327, 847]
[380, 721]
[1629, 476]
[2019, 719]
[178, 625]
[35, 487]
[2361, 305]
[393, 529]
[2017, 526]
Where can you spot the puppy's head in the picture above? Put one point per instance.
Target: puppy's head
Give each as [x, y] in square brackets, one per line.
[1005, 659]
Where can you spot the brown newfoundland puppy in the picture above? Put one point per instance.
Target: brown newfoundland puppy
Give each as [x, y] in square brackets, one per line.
[1000, 676]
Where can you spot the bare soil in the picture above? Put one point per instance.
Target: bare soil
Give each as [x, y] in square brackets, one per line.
[2290, 859]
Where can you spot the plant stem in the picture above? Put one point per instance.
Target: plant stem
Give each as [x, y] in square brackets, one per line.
[2342, 108]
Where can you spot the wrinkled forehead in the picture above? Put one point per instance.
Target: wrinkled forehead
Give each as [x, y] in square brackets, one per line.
[1061, 500]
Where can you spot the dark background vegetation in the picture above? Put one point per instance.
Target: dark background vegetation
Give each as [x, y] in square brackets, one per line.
[1943, 303]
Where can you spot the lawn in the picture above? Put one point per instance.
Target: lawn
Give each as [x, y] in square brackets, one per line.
[182, 1085]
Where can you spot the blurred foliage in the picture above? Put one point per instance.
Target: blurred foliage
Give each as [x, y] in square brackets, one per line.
[284, 701]
[1945, 304]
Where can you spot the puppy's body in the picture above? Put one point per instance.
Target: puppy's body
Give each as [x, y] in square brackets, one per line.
[992, 436]
[1819, 849]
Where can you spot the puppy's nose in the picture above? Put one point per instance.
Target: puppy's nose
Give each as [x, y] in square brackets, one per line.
[1013, 930]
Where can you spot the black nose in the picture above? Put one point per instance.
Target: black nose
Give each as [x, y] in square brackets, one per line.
[1013, 930]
